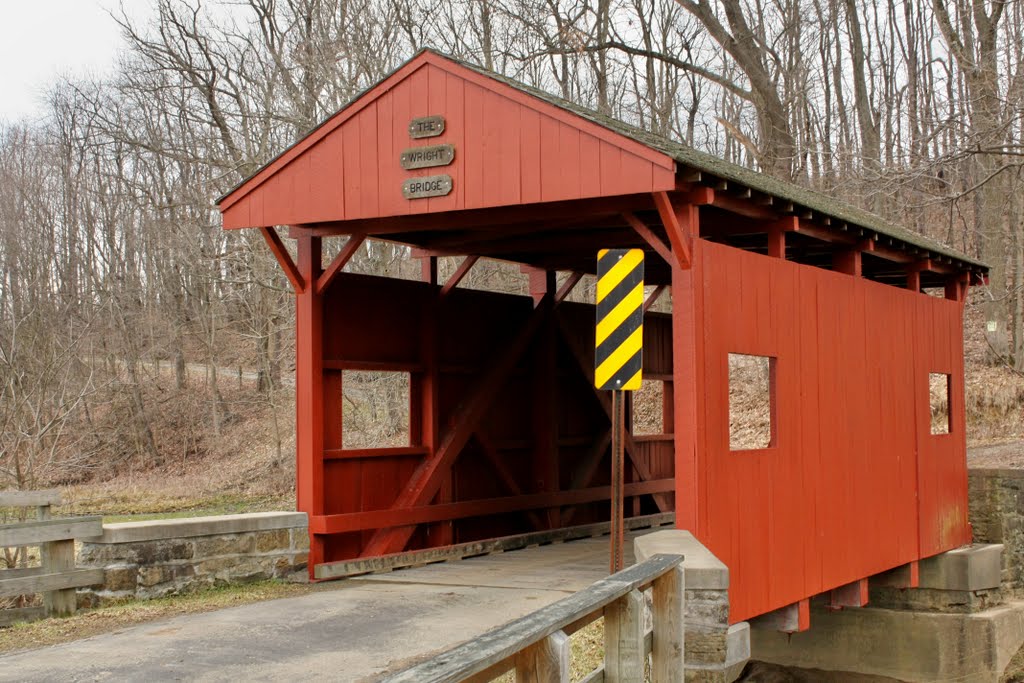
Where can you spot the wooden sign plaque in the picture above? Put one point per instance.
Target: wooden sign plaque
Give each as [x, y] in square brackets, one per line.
[427, 157]
[426, 127]
[428, 186]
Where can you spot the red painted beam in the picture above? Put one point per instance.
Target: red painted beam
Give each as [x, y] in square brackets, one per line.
[680, 242]
[480, 219]
[309, 392]
[604, 398]
[426, 514]
[427, 478]
[343, 257]
[653, 240]
[280, 252]
[568, 286]
[851, 595]
[373, 365]
[498, 465]
[459, 273]
[654, 297]
[359, 453]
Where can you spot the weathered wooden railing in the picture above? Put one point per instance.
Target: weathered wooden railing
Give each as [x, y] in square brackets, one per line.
[57, 577]
[537, 645]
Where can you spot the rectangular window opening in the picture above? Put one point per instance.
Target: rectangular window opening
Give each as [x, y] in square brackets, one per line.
[939, 386]
[375, 409]
[752, 413]
[648, 409]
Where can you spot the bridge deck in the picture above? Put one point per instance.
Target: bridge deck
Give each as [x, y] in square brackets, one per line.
[351, 630]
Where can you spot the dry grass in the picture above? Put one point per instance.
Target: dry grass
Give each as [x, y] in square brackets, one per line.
[750, 402]
[587, 653]
[107, 619]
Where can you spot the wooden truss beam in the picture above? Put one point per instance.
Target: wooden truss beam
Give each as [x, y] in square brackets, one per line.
[498, 465]
[408, 518]
[604, 399]
[426, 480]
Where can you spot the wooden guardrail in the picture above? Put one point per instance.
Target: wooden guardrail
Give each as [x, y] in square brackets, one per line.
[56, 577]
[537, 645]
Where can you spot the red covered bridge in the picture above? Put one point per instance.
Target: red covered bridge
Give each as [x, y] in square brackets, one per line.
[508, 434]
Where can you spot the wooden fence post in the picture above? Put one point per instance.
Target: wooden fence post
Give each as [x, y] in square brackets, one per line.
[546, 661]
[668, 606]
[624, 639]
[58, 558]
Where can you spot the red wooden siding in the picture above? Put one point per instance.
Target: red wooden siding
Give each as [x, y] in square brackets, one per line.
[473, 328]
[510, 149]
[836, 499]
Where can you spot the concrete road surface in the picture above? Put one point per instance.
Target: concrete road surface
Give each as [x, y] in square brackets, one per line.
[356, 632]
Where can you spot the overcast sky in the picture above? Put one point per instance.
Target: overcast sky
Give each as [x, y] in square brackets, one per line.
[42, 39]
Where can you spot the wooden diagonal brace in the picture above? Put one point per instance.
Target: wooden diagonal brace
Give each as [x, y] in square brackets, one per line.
[658, 291]
[427, 478]
[676, 236]
[583, 477]
[604, 398]
[343, 257]
[280, 252]
[649, 237]
[567, 286]
[459, 273]
[511, 485]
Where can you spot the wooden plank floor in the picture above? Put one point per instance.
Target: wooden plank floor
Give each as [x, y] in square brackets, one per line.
[569, 567]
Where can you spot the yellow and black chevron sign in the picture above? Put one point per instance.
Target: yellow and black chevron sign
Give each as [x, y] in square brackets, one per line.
[620, 319]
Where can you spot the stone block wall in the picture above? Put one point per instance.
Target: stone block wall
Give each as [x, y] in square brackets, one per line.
[161, 557]
[714, 651]
[997, 516]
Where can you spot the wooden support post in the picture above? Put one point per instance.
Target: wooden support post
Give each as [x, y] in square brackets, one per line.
[956, 288]
[546, 661]
[544, 465]
[792, 618]
[428, 266]
[687, 342]
[847, 261]
[914, 280]
[851, 595]
[777, 243]
[624, 655]
[668, 606]
[542, 283]
[426, 399]
[309, 393]
[59, 557]
[54, 560]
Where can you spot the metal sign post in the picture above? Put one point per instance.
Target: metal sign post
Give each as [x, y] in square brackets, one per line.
[618, 359]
